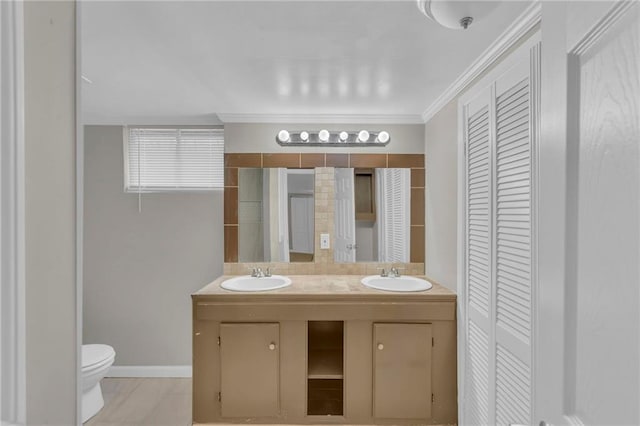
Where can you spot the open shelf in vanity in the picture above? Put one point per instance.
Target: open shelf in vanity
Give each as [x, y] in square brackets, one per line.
[325, 368]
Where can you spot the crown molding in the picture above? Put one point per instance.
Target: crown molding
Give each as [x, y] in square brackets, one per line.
[603, 25]
[322, 118]
[177, 120]
[522, 24]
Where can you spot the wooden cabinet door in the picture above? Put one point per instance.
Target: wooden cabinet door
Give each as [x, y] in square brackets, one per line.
[249, 369]
[402, 371]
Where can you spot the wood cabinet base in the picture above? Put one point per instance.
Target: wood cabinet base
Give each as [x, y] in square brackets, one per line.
[253, 365]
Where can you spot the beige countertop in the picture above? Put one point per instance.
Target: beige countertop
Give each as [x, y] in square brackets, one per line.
[323, 287]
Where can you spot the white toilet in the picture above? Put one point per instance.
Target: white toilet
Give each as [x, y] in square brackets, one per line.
[96, 360]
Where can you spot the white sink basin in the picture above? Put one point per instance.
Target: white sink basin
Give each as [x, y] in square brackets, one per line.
[403, 283]
[249, 283]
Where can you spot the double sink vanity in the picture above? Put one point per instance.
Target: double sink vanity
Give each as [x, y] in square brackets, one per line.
[264, 281]
[309, 349]
[324, 341]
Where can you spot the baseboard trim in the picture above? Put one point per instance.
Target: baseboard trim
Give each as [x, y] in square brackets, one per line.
[150, 371]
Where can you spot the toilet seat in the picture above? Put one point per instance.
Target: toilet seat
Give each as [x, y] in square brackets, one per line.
[96, 356]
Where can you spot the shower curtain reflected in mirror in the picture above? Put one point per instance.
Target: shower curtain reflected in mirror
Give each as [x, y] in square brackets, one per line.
[393, 198]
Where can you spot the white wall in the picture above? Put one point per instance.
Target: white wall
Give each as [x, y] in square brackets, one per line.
[441, 146]
[141, 267]
[50, 233]
[261, 137]
[366, 242]
[298, 183]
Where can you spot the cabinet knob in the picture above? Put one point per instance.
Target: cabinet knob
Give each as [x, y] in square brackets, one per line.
[272, 346]
[380, 346]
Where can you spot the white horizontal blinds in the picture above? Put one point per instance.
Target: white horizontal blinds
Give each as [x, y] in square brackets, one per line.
[478, 376]
[165, 159]
[394, 225]
[513, 233]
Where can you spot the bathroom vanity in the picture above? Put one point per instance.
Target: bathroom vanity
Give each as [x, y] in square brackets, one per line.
[326, 349]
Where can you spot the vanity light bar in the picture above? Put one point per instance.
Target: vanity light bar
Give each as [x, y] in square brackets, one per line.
[328, 138]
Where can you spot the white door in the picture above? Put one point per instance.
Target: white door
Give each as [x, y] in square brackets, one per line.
[301, 223]
[345, 216]
[497, 278]
[588, 356]
[475, 292]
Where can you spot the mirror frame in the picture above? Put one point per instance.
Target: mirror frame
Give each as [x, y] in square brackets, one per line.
[233, 161]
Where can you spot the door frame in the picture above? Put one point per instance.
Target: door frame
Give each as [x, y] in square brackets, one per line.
[79, 189]
[503, 64]
[12, 195]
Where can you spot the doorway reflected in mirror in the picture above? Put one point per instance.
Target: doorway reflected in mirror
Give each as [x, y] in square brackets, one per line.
[372, 215]
[275, 215]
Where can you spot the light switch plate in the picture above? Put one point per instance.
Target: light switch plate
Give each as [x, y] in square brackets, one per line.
[324, 241]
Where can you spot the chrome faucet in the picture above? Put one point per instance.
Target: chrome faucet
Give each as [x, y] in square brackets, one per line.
[259, 273]
[394, 272]
[383, 273]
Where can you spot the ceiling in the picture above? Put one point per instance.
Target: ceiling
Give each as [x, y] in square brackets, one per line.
[156, 62]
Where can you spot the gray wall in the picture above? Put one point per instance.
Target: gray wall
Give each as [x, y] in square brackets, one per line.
[141, 267]
[50, 234]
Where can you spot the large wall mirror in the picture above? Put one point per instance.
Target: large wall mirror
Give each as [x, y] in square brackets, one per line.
[372, 215]
[254, 196]
[276, 215]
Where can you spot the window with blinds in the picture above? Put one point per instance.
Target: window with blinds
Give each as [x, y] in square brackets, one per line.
[172, 159]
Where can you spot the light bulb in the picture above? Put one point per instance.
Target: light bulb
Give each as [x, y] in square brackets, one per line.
[304, 136]
[344, 136]
[283, 136]
[323, 135]
[383, 137]
[363, 136]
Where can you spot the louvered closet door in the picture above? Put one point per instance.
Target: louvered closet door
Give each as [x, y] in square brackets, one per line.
[513, 237]
[498, 135]
[477, 118]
